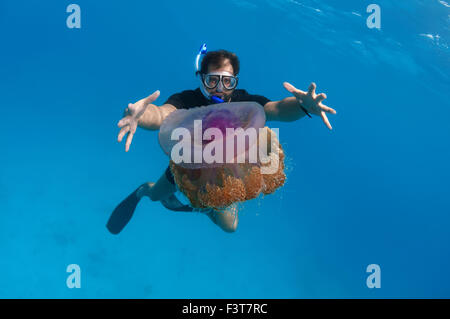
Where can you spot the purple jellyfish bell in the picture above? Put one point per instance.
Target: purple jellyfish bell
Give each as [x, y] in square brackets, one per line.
[193, 130]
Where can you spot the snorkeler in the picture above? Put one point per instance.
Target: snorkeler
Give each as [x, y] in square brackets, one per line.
[218, 76]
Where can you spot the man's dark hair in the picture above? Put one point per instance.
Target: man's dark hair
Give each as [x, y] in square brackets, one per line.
[216, 59]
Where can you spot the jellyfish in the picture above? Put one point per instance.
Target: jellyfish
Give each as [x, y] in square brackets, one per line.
[222, 154]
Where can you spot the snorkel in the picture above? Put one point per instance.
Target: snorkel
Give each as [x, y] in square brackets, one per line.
[217, 99]
[201, 52]
[205, 93]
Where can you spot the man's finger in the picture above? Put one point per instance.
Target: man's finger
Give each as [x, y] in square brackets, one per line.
[312, 89]
[297, 93]
[321, 97]
[122, 133]
[152, 97]
[327, 109]
[123, 122]
[128, 143]
[325, 120]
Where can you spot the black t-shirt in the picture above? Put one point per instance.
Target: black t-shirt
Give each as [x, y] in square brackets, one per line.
[193, 98]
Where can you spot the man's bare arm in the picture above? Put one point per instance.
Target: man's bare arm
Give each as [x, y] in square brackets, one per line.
[285, 110]
[154, 115]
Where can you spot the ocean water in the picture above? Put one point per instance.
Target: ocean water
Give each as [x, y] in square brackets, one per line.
[374, 190]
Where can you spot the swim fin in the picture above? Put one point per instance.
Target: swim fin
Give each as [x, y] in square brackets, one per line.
[123, 213]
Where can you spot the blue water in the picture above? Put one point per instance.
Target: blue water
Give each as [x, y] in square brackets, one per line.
[374, 190]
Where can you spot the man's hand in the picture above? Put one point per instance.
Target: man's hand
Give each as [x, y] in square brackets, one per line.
[129, 122]
[311, 102]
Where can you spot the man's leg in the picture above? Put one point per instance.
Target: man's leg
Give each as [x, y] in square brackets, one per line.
[227, 218]
[159, 191]
[164, 191]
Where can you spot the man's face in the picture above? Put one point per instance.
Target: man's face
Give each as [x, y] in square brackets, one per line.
[219, 90]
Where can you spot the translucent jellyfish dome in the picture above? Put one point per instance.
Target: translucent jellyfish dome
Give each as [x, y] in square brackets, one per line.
[222, 153]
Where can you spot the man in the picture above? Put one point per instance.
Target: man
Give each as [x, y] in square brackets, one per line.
[218, 75]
